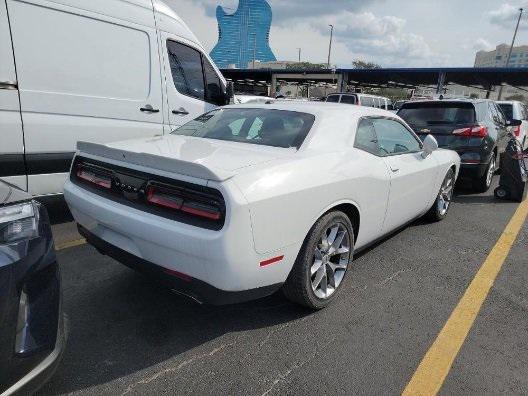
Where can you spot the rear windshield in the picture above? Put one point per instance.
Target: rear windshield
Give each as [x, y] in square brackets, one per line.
[438, 113]
[507, 109]
[276, 128]
[333, 98]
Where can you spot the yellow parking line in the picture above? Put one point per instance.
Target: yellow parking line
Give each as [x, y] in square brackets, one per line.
[69, 244]
[435, 366]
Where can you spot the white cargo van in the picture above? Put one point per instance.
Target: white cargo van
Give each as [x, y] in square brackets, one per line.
[93, 70]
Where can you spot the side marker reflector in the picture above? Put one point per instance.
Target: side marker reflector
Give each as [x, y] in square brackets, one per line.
[271, 261]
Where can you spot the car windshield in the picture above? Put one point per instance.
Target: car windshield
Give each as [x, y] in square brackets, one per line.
[507, 109]
[276, 128]
[438, 113]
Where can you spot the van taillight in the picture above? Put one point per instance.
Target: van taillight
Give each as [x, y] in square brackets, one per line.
[472, 131]
[185, 202]
[517, 131]
[92, 176]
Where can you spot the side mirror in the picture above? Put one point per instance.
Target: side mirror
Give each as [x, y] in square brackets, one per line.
[230, 93]
[429, 145]
[513, 123]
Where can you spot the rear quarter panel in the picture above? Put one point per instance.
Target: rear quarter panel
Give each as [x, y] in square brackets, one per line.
[286, 199]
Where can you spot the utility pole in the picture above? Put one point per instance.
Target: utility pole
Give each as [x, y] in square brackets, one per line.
[330, 46]
[511, 48]
[299, 54]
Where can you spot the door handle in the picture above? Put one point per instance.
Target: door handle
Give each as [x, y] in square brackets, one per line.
[8, 85]
[394, 169]
[181, 111]
[149, 109]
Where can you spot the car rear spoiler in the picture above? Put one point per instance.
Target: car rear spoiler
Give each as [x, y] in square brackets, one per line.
[170, 165]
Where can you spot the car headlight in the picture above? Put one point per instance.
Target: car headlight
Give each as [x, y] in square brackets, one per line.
[18, 222]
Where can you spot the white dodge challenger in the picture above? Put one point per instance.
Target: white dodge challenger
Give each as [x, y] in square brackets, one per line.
[248, 199]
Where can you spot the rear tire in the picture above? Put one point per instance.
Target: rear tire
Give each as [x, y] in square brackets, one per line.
[443, 200]
[323, 262]
[483, 184]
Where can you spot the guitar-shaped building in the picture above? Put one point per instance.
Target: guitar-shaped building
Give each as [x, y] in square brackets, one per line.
[243, 36]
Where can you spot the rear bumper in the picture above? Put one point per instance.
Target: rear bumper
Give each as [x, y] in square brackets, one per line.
[216, 261]
[472, 171]
[196, 289]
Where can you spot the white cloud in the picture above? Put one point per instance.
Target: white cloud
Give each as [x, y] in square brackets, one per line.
[358, 35]
[482, 45]
[383, 40]
[507, 14]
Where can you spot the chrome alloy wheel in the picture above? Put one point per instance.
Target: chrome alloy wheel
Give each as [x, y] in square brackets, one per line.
[330, 262]
[491, 171]
[446, 194]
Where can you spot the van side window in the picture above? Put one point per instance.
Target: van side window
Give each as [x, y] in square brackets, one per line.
[214, 92]
[186, 69]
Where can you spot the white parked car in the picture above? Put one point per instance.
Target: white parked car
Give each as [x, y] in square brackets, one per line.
[245, 99]
[515, 110]
[247, 199]
[359, 99]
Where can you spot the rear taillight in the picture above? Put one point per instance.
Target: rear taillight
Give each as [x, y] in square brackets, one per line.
[94, 176]
[517, 131]
[186, 202]
[157, 196]
[472, 131]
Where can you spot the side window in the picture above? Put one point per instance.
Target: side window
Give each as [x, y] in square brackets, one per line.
[349, 99]
[214, 92]
[500, 114]
[186, 69]
[333, 98]
[366, 139]
[394, 138]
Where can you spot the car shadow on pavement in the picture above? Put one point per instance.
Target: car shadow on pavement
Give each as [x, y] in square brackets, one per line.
[121, 322]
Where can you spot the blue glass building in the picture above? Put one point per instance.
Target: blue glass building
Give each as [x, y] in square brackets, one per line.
[244, 35]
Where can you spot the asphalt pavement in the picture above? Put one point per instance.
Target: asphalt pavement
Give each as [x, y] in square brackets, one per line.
[128, 335]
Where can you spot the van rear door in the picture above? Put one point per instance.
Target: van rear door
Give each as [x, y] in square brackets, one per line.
[12, 167]
[87, 70]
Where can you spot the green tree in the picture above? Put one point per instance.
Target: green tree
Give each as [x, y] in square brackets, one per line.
[361, 64]
[306, 66]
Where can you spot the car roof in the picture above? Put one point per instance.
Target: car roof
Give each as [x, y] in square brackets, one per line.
[319, 109]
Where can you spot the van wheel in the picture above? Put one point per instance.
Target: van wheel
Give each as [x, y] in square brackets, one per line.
[484, 183]
[322, 263]
[443, 200]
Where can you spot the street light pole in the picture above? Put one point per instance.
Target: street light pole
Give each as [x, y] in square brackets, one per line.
[512, 44]
[299, 54]
[330, 46]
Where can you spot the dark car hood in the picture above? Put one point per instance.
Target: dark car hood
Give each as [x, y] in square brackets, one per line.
[11, 194]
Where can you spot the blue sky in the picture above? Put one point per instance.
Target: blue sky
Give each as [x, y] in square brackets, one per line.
[406, 33]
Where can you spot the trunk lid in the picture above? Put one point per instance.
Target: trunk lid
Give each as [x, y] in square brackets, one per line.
[196, 157]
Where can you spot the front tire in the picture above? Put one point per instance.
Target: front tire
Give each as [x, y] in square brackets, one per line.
[322, 263]
[443, 200]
